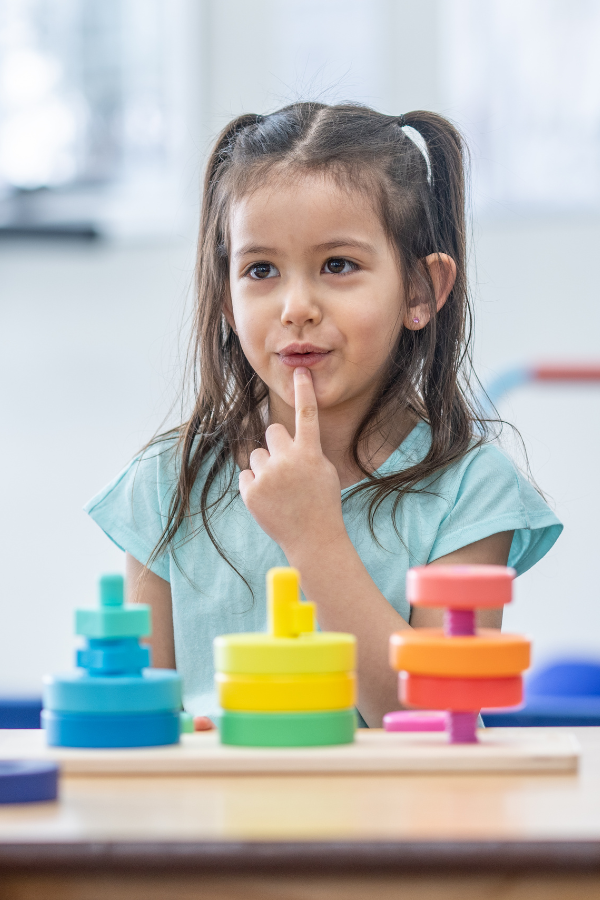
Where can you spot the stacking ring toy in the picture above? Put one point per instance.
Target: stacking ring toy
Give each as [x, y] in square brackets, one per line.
[292, 686]
[459, 669]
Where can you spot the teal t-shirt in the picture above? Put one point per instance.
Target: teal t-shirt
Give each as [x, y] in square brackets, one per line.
[480, 495]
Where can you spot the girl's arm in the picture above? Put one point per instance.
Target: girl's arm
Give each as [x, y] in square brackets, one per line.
[492, 550]
[293, 492]
[348, 600]
[143, 586]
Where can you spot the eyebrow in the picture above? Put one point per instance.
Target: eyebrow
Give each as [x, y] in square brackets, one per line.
[254, 250]
[345, 242]
[257, 250]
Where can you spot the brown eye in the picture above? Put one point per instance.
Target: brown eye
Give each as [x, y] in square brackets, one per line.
[339, 266]
[261, 271]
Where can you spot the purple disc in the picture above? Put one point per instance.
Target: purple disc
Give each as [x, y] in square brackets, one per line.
[27, 781]
[417, 720]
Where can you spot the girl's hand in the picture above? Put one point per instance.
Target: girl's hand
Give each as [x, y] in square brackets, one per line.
[203, 723]
[293, 490]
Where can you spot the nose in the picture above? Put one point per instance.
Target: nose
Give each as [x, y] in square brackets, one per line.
[300, 305]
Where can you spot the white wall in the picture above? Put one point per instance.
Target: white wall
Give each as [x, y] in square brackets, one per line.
[88, 363]
[90, 337]
[263, 54]
[538, 302]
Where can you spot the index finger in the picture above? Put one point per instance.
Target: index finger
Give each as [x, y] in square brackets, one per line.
[307, 414]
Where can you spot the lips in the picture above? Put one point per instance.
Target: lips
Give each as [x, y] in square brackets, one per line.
[302, 355]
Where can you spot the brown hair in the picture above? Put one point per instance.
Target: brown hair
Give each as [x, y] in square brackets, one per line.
[421, 203]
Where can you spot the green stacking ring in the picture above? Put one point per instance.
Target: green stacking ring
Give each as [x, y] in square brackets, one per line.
[298, 729]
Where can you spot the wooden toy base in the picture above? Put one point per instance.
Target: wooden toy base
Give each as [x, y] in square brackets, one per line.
[374, 751]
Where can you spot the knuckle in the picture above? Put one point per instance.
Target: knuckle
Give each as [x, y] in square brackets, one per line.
[308, 413]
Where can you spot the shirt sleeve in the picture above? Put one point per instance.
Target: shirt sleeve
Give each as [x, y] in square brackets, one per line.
[132, 510]
[492, 496]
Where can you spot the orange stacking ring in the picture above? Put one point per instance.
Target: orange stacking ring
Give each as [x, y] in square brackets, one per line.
[488, 654]
[460, 587]
[460, 694]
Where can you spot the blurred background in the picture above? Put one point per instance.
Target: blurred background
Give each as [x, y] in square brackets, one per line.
[107, 112]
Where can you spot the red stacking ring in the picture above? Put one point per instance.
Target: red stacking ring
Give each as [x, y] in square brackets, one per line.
[460, 587]
[459, 694]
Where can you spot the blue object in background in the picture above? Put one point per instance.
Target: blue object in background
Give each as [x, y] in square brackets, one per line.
[504, 383]
[20, 712]
[565, 692]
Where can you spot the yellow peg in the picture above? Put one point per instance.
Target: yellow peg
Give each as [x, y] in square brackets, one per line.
[288, 616]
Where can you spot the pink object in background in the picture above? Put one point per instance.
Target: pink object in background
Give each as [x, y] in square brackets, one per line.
[415, 720]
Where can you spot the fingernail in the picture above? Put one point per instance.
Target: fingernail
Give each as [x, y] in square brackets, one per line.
[301, 370]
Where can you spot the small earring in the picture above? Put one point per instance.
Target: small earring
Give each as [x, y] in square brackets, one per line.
[416, 321]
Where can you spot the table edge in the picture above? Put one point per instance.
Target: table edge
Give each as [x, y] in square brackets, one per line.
[309, 858]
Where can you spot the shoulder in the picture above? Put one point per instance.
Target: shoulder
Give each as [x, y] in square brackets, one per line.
[490, 481]
[486, 466]
[134, 508]
[487, 483]
[150, 474]
[484, 493]
[478, 464]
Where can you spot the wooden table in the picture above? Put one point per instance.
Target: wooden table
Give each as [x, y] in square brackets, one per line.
[410, 836]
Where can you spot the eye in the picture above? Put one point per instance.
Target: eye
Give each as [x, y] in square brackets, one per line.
[337, 265]
[260, 271]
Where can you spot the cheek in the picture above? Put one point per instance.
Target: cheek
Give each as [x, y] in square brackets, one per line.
[247, 323]
[252, 330]
[375, 327]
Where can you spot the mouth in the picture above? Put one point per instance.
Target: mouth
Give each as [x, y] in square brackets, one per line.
[295, 355]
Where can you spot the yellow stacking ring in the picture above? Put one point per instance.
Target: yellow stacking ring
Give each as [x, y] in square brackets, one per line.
[263, 654]
[286, 693]
[488, 654]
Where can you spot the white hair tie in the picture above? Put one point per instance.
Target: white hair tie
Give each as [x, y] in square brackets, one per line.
[419, 141]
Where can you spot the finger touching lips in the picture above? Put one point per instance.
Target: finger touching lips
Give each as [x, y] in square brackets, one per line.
[307, 415]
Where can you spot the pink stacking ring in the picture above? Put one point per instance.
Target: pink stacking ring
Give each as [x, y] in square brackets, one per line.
[415, 720]
[459, 587]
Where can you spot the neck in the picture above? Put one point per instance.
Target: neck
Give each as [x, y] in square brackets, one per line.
[337, 427]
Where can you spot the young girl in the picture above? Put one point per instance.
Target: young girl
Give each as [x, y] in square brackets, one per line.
[331, 427]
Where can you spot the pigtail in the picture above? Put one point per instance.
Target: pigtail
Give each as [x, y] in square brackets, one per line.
[222, 151]
[447, 408]
[446, 152]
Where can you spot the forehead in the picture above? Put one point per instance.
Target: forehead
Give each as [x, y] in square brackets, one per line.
[303, 209]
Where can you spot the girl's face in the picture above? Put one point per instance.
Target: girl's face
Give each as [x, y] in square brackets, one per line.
[314, 282]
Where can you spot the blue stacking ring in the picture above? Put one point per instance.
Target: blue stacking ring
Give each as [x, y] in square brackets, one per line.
[114, 657]
[74, 729]
[27, 781]
[156, 690]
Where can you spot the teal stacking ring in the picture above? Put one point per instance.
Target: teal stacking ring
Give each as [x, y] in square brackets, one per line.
[157, 690]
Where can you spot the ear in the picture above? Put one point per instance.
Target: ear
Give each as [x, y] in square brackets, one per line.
[442, 270]
[228, 309]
